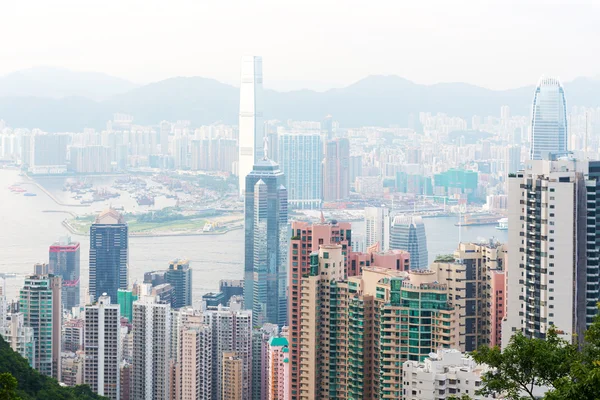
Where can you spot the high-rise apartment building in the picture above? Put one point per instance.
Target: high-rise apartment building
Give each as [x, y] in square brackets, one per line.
[231, 329]
[194, 365]
[64, 261]
[233, 376]
[278, 369]
[408, 233]
[179, 275]
[72, 368]
[377, 227]
[165, 131]
[549, 119]
[90, 159]
[260, 345]
[109, 255]
[266, 227]
[125, 299]
[72, 335]
[41, 305]
[552, 271]
[103, 352]
[251, 135]
[48, 153]
[300, 155]
[306, 239]
[336, 170]
[151, 348]
[20, 337]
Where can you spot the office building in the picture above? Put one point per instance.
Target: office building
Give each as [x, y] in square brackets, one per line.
[64, 261]
[336, 170]
[151, 348]
[251, 135]
[301, 160]
[179, 275]
[103, 351]
[444, 373]
[278, 369]
[265, 250]
[230, 288]
[20, 337]
[552, 279]
[125, 299]
[548, 120]
[408, 233]
[377, 227]
[231, 329]
[213, 299]
[41, 304]
[109, 255]
[165, 293]
[307, 238]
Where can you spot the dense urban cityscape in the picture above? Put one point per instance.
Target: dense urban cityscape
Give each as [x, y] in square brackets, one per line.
[282, 235]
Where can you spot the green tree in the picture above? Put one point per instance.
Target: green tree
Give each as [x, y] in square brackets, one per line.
[525, 364]
[8, 387]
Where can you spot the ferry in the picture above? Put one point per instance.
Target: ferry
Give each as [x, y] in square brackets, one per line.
[29, 194]
[502, 224]
[477, 219]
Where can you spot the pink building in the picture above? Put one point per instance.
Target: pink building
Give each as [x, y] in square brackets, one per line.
[398, 260]
[497, 292]
[278, 369]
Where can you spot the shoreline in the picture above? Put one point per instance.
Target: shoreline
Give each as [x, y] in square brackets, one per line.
[50, 195]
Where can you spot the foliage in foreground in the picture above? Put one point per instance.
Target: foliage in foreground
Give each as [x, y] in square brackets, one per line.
[18, 381]
[569, 371]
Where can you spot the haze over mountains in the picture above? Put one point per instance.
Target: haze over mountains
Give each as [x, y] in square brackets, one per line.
[55, 99]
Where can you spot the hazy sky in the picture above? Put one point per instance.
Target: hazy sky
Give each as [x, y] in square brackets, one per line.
[315, 43]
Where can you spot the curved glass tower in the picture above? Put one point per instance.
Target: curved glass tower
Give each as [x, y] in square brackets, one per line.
[408, 233]
[548, 119]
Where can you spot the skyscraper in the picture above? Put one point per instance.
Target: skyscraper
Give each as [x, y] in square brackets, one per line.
[552, 270]
[377, 227]
[408, 233]
[233, 374]
[251, 135]
[336, 170]
[548, 120]
[65, 262]
[179, 275]
[102, 348]
[301, 159]
[40, 302]
[265, 223]
[109, 255]
[151, 348]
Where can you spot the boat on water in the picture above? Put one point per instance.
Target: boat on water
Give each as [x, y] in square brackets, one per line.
[502, 224]
[29, 194]
[477, 219]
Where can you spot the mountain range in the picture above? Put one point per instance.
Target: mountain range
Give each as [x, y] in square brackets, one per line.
[62, 100]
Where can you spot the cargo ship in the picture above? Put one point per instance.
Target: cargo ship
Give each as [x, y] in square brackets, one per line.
[477, 219]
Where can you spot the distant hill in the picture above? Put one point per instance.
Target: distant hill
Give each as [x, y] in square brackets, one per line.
[33, 386]
[374, 100]
[59, 82]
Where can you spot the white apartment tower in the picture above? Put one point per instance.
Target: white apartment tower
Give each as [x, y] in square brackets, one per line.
[194, 367]
[231, 332]
[151, 349]
[102, 344]
[377, 227]
[552, 271]
[251, 125]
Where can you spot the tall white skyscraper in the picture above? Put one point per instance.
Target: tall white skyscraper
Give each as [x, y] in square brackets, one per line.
[102, 344]
[552, 267]
[377, 227]
[151, 348]
[251, 135]
[548, 120]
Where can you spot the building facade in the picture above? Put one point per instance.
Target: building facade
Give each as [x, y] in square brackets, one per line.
[109, 255]
[408, 233]
[179, 275]
[300, 156]
[251, 135]
[41, 304]
[265, 250]
[103, 351]
[377, 227]
[64, 261]
[549, 132]
[336, 170]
